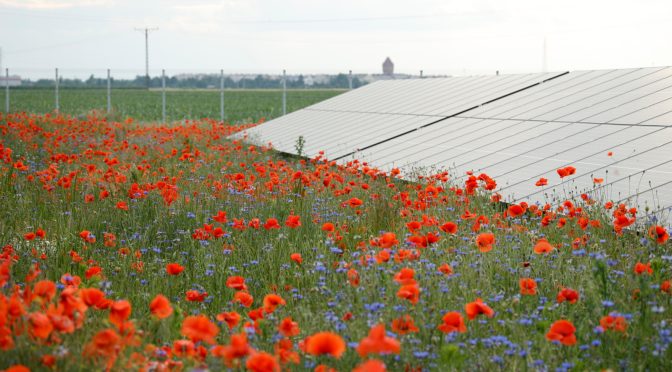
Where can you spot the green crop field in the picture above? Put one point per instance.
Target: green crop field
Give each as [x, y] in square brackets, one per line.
[145, 105]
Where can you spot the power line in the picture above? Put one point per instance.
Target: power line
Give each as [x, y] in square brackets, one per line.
[66, 17]
[65, 44]
[52, 15]
[337, 20]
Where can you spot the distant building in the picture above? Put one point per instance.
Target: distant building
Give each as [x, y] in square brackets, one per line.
[388, 67]
[12, 81]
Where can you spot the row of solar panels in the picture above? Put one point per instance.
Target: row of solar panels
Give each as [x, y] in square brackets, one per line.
[610, 124]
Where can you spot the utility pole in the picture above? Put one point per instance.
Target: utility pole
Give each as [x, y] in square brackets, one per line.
[147, 30]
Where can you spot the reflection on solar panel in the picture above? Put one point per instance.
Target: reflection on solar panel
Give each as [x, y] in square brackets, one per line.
[575, 120]
[376, 112]
[515, 128]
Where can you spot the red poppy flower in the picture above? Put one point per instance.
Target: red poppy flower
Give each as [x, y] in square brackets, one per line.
[614, 322]
[387, 240]
[562, 331]
[371, 365]
[262, 362]
[293, 221]
[528, 286]
[46, 289]
[271, 302]
[485, 241]
[243, 298]
[39, 325]
[355, 202]
[87, 236]
[230, 318]
[659, 233]
[446, 269]
[543, 246]
[174, 269]
[199, 328]
[325, 343]
[237, 349]
[410, 292]
[405, 276]
[566, 171]
[404, 325]
[93, 271]
[119, 312]
[296, 257]
[449, 228]
[196, 296]
[473, 309]
[236, 282]
[641, 268]
[377, 342]
[452, 322]
[288, 327]
[567, 294]
[220, 217]
[515, 210]
[160, 307]
[92, 297]
[271, 223]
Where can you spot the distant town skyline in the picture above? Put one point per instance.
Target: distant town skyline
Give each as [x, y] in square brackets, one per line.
[319, 36]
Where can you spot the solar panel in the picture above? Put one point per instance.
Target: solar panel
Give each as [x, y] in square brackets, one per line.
[587, 96]
[383, 110]
[331, 132]
[572, 120]
[436, 97]
[515, 128]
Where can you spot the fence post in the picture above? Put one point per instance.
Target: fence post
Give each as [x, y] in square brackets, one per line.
[56, 85]
[6, 91]
[163, 95]
[109, 92]
[221, 95]
[420, 74]
[284, 93]
[350, 80]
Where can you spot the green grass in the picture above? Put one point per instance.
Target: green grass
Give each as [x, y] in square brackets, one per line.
[145, 105]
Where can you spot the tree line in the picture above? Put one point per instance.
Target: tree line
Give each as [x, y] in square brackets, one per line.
[203, 82]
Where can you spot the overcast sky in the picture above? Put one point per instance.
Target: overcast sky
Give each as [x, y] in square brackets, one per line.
[328, 36]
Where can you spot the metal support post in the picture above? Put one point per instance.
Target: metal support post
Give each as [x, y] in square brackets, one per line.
[163, 94]
[284, 93]
[109, 92]
[221, 95]
[6, 91]
[57, 98]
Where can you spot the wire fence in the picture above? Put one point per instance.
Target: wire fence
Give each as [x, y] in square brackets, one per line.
[181, 95]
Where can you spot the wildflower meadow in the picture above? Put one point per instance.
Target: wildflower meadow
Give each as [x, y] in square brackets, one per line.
[170, 247]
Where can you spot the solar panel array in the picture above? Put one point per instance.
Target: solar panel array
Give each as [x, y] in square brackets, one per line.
[575, 120]
[350, 122]
[614, 125]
